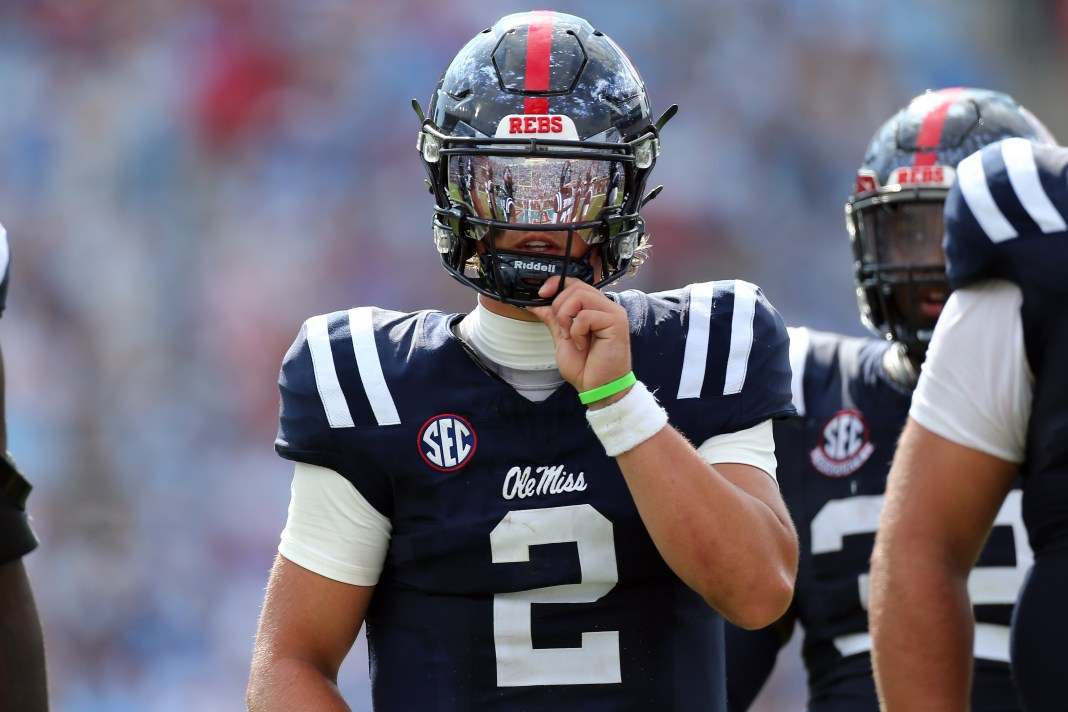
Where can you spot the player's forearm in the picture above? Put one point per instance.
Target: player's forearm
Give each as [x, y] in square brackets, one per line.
[922, 630]
[286, 684]
[727, 545]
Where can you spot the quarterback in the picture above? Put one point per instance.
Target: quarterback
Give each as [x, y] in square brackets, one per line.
[555, 500]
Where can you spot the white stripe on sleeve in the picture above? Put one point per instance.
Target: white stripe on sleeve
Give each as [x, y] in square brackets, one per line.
[971, 177]
[1019, 156]
[370, 365]
[334, 403]
[741, 336]
[695, 355]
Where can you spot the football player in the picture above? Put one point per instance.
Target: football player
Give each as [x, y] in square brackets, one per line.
[23, 683]
[499, 495]
[990, 407]
[852, 395]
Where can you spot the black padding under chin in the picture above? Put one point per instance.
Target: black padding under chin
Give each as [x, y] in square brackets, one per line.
[519, 275]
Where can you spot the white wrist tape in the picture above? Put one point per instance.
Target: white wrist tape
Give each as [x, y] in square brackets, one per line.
[628, 422]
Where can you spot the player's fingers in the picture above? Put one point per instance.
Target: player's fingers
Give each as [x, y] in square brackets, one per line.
[595, 324]
[559, 322]
[585, 312]
[549, 287]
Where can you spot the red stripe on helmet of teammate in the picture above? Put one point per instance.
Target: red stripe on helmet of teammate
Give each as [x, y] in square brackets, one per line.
[539, 48]
[931, 129]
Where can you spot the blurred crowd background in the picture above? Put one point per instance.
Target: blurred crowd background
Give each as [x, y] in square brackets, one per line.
[185, 182]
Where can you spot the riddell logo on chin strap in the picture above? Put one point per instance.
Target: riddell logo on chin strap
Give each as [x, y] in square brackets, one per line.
[535, 266]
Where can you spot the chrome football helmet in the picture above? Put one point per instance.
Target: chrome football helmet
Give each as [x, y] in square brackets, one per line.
[539, 124]
[894, 217]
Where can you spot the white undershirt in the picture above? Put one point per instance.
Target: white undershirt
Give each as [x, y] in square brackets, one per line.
[335, 532]
[522, 353]
[976, 385]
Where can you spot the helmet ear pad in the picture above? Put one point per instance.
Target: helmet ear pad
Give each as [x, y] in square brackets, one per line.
[907, 171]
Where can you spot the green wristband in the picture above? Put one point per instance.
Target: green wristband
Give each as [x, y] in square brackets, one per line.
[608, 389]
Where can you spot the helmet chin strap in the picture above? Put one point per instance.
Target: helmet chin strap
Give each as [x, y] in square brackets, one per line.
[517, 276]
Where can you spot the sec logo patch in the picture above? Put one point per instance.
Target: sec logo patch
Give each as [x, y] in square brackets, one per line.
[844, 445]
[447, 442]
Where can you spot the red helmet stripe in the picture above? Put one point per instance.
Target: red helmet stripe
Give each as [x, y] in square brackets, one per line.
[931, 129]
[539, 48]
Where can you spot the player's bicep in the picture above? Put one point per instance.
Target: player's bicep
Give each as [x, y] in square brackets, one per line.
[756, 483]
[942, 497]
[320, 634]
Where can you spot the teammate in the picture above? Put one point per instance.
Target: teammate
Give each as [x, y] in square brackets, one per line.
[853, 396]
[23, 684]
[499, 495]
[990, 407]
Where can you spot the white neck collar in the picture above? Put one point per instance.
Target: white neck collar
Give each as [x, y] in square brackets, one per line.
[511, 343]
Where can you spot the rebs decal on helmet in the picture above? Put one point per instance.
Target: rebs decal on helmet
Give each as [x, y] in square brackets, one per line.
[844, 446]
[447, 442]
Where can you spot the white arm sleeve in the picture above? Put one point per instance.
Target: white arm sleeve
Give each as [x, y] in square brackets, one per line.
[976, 386]
[332, 530]
[753, 446]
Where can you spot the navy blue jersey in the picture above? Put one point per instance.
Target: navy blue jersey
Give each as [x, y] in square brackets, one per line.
[519, 574]
[1006, 219]
[833, 462]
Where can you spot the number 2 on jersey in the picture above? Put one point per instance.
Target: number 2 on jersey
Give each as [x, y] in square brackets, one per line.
[519, 663]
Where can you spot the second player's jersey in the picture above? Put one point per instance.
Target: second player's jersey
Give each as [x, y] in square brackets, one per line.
[833, 462]
[1006, 219]
[519, 574]
[1001, 224]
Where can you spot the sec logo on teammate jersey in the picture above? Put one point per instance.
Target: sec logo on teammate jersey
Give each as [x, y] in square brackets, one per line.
[845, 445]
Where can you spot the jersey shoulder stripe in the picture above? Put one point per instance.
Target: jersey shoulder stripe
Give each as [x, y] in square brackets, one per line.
[326, 381]
[718, 344]
[369, 363]
[1010, 174]
[353, 332]
[695, 357]
[972, 179]
[1002, 216]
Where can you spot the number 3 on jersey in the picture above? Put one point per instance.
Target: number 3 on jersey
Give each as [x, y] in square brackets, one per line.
[519, 663]
[840, 518]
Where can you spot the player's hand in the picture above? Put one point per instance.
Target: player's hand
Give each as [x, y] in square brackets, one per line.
[591, 332]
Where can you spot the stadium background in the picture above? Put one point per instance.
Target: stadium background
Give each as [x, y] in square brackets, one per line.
[185, 182]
